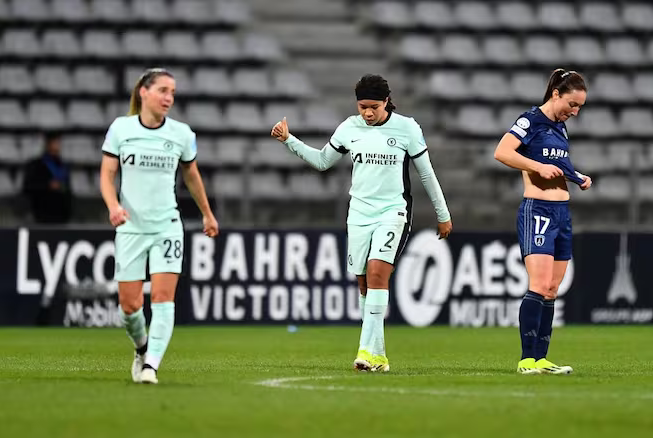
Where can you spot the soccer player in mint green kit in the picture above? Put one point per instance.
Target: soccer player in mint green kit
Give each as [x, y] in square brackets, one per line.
[147, 147]
[381, 143]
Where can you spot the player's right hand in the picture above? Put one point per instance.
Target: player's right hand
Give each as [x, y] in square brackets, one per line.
[549, 171]
[118, 215]
[444, 229]
[280, 130]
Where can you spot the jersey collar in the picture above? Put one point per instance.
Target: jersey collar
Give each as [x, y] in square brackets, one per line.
[147, 127]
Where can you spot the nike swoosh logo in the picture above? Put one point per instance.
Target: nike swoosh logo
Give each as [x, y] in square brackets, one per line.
[373, 313]
[354, 141]
[387, 250]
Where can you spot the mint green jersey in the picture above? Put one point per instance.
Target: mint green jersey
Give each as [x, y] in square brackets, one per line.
[380, 184]
[148, 167]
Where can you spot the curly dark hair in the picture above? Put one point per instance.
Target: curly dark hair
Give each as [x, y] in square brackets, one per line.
[376, 86]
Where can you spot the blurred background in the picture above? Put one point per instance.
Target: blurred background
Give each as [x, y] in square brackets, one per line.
[463, 69]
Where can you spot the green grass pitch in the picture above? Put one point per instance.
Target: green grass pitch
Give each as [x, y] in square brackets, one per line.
[267, 382]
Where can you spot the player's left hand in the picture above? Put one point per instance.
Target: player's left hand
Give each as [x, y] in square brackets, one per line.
[210, 226]
[444, 229]
[587, 183]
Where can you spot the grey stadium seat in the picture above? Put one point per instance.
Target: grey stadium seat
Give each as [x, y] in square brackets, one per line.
[101, 44]
[16, 79]
[588, 157]
[62, 43]
[4, 9]
[116, 108]
[30, 10]
[271, 153]
[516, 15]
[251, 82]
[600, 16]
[9, 152]
[183, 83]
[232, 12]
[206, 151]
[45, 114]
[449, 85]
[391, 14]
[309, 186]
[181, 45]
[598, 122]
[320, 117]
[474, 15]
[613, 188]
[461, 50]
[613, 87]
[204, 115]
[291, 83]
[637, 16]
[220, 46]
[261, 47]
[229, 185]
[53, 79]
[141, 44]
[192, 11]
[131, 75]
[7, 186]
[80, 149]
[624, 51]
[231, 150]
[244, 117]
[86, 114]
[21, 42]
[637, 121]
[477, 120]
[94, 80]
[420, 49]
[502, 50]
[112, 11]
[153, 11]
[543, 50]
[212, 81]
[274, 112]
[558, 16]
[268, 185]
[490, 85]
[435, 15]
[70, 10]
[529, 87]
[643, 86]
[31, 146]
[81, 185]
[584, 50]
[618, 154]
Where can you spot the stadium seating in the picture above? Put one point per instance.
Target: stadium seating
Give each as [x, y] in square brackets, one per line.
[465, 69]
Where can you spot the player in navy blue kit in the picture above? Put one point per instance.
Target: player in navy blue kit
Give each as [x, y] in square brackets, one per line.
[537, 144]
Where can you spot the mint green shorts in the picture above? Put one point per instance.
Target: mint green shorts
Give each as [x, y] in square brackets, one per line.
[165, 252]
[379, 241]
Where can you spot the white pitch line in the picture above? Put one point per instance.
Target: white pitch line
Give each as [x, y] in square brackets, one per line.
[292, 383]
[288, 383]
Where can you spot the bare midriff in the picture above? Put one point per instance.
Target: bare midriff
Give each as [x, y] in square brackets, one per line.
[537, 187]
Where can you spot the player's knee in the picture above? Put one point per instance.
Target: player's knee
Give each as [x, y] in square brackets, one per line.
[163, 295]
[130, 306]
[376, 279]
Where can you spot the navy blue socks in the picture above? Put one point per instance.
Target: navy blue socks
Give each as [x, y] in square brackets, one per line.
[530, 315]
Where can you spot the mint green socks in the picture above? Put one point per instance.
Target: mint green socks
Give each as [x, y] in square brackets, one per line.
[361, 305]
[163, 322]
[372, 336]
[135, 325]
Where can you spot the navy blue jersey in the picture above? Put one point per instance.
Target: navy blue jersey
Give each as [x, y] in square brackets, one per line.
[545, 141]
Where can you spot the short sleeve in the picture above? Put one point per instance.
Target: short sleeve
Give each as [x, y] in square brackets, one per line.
[417, 142]
[190, 150]
[522, 128]
[111, 145]
[338, 140]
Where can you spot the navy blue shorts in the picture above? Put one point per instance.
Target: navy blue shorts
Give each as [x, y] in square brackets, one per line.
[544, 227]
